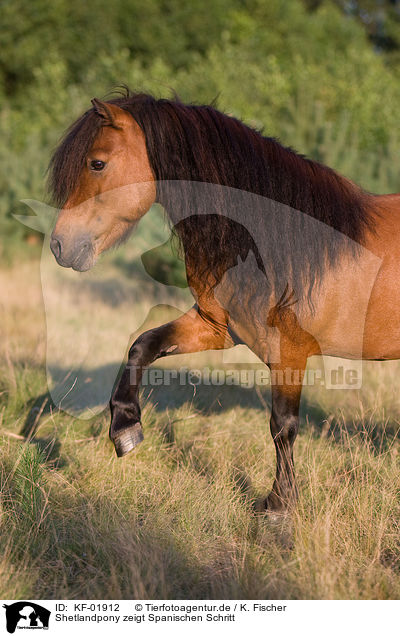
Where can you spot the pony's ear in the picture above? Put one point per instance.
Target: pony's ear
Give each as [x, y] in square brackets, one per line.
[105, 111]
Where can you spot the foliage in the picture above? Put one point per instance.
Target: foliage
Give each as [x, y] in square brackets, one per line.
[307, 72]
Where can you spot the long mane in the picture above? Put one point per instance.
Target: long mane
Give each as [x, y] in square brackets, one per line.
[192, 144]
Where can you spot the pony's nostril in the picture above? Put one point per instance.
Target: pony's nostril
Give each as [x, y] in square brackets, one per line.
[55, 246]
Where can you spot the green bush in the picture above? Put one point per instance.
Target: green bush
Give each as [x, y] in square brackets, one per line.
[306, 72]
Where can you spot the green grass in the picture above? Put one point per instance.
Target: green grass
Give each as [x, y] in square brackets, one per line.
[175, 518]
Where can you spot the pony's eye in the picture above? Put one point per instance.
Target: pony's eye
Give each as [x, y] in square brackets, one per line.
[97, 165]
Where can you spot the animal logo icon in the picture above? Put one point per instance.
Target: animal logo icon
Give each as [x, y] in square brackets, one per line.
[26, 615]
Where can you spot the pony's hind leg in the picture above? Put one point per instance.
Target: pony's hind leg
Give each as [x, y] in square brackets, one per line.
[191, 332]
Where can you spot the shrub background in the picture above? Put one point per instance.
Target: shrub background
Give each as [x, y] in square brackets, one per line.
[323, 76]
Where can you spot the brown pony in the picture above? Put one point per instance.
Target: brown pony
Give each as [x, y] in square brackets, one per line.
[282, 253]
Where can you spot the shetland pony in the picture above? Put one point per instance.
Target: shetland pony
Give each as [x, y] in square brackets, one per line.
[282, 253]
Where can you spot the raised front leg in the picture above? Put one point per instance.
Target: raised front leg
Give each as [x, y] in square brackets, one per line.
[192, 332]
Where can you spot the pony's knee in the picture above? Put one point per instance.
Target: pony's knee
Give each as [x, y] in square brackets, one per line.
[145, 344]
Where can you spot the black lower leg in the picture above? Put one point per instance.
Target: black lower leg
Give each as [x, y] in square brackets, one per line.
[284, 427]
[126, 430]
[190, 333]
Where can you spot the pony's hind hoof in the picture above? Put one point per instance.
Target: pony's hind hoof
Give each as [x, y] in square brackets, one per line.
[128, 439]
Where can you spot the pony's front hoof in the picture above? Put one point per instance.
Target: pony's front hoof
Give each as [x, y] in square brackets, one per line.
[128, 439]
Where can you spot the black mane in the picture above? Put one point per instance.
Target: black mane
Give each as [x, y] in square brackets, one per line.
[192, 144]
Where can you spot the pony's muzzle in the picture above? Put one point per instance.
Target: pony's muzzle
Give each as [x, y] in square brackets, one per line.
[78, 253]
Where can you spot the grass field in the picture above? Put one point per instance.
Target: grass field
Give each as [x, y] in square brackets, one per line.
[175, 518]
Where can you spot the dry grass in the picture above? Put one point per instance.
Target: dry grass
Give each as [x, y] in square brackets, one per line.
[174, 519]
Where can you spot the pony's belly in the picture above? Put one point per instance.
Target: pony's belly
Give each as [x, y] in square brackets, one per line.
[382, 338]
[358, 316]
[356, 339]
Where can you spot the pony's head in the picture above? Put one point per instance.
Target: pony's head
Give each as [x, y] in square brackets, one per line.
[124, 154]
[102, 180]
